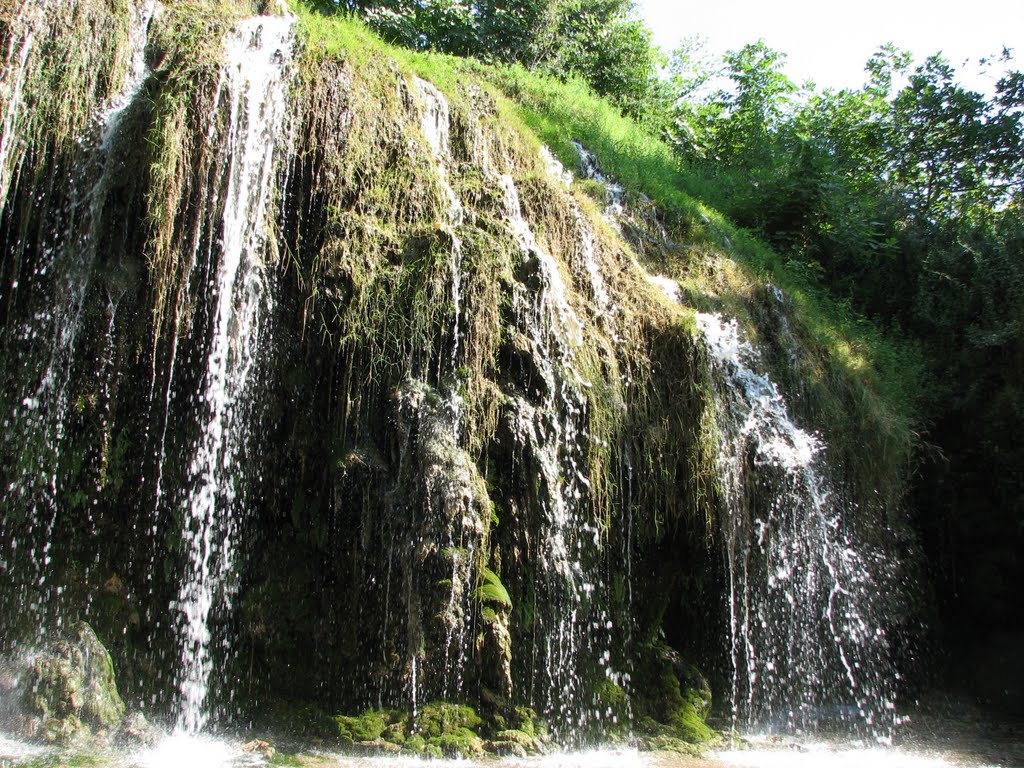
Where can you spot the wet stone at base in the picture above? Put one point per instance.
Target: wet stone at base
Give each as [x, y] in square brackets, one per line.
[69, 694]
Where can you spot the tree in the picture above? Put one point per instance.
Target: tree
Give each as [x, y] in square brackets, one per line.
[953, 150]
[601, 42]
[755, 108]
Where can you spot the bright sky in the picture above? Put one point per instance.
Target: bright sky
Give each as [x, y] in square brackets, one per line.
[830, 41]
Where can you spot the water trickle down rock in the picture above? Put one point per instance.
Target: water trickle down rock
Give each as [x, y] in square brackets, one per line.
[450, 509]
[808, 637]
[62, 274]
[253, 91]
[450, 513]
[641, 233]
[615, 193]
[549, 428]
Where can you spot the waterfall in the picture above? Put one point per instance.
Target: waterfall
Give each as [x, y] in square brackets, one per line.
[253, 90]
[451, 500]
[64, 265]
[614, 192]
[808, 643]
[807, 637]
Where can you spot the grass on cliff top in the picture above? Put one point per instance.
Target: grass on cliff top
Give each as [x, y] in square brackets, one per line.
[863, 383]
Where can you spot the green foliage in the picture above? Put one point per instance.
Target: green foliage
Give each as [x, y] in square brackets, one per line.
[368, 726]
[491, 590]
[752, 112]
[599, 41]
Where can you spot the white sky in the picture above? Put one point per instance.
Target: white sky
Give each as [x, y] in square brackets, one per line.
[829, 42]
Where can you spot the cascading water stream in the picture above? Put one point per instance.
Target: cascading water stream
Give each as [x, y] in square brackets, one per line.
[808, 643]
[614, 192]
[436, 129]
[253, 91]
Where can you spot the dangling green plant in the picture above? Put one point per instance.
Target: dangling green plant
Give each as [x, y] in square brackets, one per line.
[491, 590]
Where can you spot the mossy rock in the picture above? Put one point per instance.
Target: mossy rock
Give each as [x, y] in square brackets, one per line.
[673, 697]
[439, 718]
[70, 691]
[367, 727]
[460, 742]
[611, 701]
[513, 743]
[695, 688]
[450, 729]
[415, 743]
[529, 722]
[687, 724]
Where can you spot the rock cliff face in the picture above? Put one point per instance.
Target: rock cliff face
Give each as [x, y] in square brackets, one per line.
[323, 384]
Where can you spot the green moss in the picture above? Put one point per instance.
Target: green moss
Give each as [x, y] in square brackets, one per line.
[71, 690]
[368, 726]
[461, 742]
[687, 724]
[527, 721]
[439, 718]
[671, 697]
[186, 45]
[80, 58]
[415, 743]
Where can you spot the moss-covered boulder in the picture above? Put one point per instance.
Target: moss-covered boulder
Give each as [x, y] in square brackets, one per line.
[370, 726]
[442, 729]
[450, 729]
[69, 693]
[672, 698]
[513, 743]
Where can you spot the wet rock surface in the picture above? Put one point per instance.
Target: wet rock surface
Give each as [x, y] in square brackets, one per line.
[68, 693]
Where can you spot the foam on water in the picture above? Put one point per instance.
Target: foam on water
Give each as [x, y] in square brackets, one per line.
[182, 750]
[831, 756]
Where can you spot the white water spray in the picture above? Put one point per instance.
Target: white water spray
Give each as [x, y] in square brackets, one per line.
[65, 268]
[808, 642]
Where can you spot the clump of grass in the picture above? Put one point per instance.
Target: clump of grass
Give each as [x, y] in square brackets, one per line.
[73, 61]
